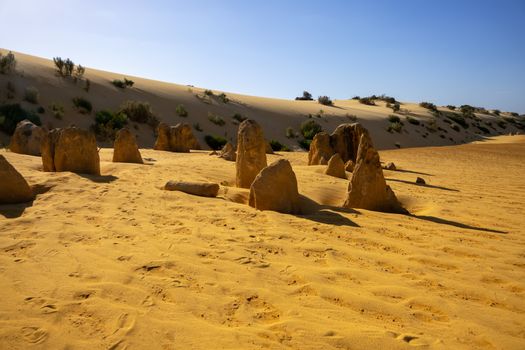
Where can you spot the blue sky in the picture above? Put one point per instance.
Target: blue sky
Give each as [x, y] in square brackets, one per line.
[446, 52]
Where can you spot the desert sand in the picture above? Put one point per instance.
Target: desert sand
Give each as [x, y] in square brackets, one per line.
[114, 262]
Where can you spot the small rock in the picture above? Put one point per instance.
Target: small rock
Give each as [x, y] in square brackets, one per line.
[349, 166]
[336, 167]
[389, 166]
[420, 181]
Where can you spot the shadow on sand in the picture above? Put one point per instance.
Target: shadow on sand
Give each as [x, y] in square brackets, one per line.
[411, 172]
[325, 214]
[423, 185]
[455, 224]
[12, 211]
[99, 178]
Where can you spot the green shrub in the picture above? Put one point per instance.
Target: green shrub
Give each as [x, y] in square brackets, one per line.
[501, 124]
[395, 126]
[215, 119]
[429, 106]
[467, 111]
[122, 84]
[223, 98]
[306, 97]
[79, 72]
[238, 118]
[483, 129]
[197, 127]
[452, 108]
[208, 92]
[310, 128]
[12, 114]
[367, 101]
[87, 85]
[41, 110]
[277, 146]
[305, 144]
[108, 123]
[7, 63]
[394, 118]
[139, 112]
[412, 121]
[181, 111]
[83, 105]
[396, 107]
[31, 94]
[458, 118]
[351, 117]
[496, 112]
[325, 100]
[69, 66]
[215, 142]
[290, 133]
[59, 64]
[57, 110]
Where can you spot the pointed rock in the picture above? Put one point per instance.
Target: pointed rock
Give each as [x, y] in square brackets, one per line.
[251, 153]
[228, 152]
[336, 167]
[13, 187]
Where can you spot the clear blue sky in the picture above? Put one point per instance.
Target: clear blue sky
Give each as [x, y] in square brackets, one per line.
[443, 51]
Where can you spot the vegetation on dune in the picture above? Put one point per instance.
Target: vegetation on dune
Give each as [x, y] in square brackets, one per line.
[107, 124]
[197, 127]
[412, 121]
[123, 84]
[139, 112]
[306, 97]
[11, 91]
[181, 111]
[12, 114]
[277, 146]
[84, 106]
[394, 118]
[309, 129]
[429, 106]
[223, 98]
[215, 119]
[215, 142]
[291, 133]
[367, 101]
[31, 94]
[395, 126]
[57, 110]
[7, 63]
[238, 118]
[325, 100]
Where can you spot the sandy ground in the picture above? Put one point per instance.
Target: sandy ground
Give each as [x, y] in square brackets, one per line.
[275, 115]
[114, 262]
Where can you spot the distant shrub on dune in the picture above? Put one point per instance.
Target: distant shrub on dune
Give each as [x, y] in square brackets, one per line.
[367, 101]
[31, 94]
[412, 121]
[84, 106]
[277, 146]
[215, 119]
[57, 110]
[11, 91]
[395, 126]
[7, 63]
[215, 142]
[208, 92]
[305, 144]
[87, 85]
[181, 111]
[325, 100]
[290, 133]
[122, 84]
[79, 72]
[223, 98]
[108, 123]
[139, 112]
[238, 118]
[429, 106]
[395, 107]
[59, 64]
[197, 127]
[394, 118]
[451, 107]
[496, 112]
[12, 114]
[310, 128]
[458, 119]
[306, 97]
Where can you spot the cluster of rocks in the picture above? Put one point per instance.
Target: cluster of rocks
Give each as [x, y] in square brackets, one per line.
[350, 148]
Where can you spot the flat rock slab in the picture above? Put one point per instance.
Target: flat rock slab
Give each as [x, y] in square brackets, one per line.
[203, 189]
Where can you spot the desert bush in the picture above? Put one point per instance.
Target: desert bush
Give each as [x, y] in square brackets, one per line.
[57, 110]
[223, 98]
[458, 118]
[31, 94]
[367, 101]
[394, 118]
[215, 142]
[514, 114]
[139, 112]
[467, 111]
[59, 64]
[501, 124]
[277, 146]
[428, 105]
[12, 114]
[108, 123]
[181, 111]
[83, 105]
[7, 63]
[208, 92]
[432, 125]
[305, 144]
[79, 72]
[87, 85]
[351, 117]
[238, 118]
[122, 84]
[69, 66]
[197, 127]
[291, 133]
[306, 97]
[395, 107]
[215, 119]
[483, 129]
[395, 126]
[496, 112]
[41, 110]
[11, 91]
[412, 121]
[310, 128]
[452, 108]
[325, 100]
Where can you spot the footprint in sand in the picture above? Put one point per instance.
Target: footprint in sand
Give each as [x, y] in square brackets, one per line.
[34, 335]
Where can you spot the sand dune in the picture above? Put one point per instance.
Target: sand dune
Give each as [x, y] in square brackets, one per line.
[114, 262]
[274, 115]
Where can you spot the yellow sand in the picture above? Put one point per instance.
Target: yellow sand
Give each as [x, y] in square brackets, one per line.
[114, 262]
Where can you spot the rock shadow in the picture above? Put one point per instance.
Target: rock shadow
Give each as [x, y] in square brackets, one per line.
[99, 178]
[455, 224]
[423, 185]
[325, 214]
